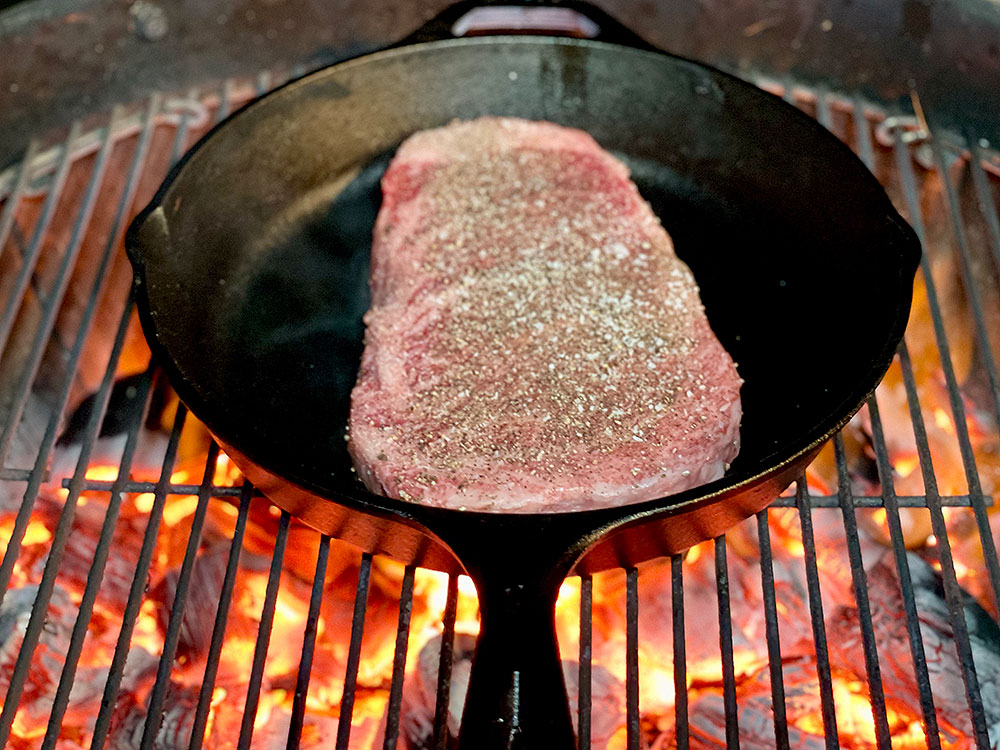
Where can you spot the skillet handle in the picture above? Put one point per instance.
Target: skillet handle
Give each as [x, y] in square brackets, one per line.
[571, 18]
[517, 697]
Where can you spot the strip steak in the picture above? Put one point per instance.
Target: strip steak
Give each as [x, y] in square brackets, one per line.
[534, 343]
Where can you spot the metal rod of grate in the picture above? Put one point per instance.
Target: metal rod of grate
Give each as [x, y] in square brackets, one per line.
[772, 632]
[803, 501]
[785, 501]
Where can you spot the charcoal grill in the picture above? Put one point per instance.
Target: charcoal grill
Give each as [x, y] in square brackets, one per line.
[67, 330]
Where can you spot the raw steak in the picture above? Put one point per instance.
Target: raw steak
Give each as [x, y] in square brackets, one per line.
[534, 344]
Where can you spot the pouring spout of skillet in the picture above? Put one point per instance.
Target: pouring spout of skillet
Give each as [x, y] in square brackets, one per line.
[251, 270]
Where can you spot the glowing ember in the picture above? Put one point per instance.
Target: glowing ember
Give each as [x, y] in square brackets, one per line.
[657, 695]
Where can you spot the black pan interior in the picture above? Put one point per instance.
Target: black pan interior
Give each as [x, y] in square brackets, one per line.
[256, 267]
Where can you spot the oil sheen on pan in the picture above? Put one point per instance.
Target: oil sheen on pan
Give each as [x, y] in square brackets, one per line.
[534, 343]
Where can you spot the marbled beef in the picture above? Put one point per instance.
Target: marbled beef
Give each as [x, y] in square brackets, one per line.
[534, 343]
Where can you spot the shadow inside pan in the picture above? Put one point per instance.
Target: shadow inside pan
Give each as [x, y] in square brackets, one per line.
[300, 320]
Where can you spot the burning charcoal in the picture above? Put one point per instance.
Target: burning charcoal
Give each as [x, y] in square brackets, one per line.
[47, 660]
[755, 715]
[336, 619]
[707, 724]
[897, 427]
[791, 602]
[175, 727]
[801, 684]
[303, 548]
[78, 558]
[226, 715]
[420, 696]
[179, 708]
[140, 671]
[822, 474]
[317, 731]
[832, 562]
[898, 674]
[420, 692]
[915, 524]
[201, 604]
[261, 530]
[381, 616]
[701, 615]
[200, 610]
[967, 550]
[88, 687]
[35, 543]
[607, 712]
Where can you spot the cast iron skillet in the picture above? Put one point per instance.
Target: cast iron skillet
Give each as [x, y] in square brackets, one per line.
[251, 269]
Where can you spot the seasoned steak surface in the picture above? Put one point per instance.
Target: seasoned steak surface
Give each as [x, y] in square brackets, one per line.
[534, 344]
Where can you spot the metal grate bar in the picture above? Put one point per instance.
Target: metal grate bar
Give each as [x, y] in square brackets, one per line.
[154, 714]
[860, 579]
[823, 114]
[892, 505]
[802, 500]
[931, 730]
[632, 735]
[221, 617]
[772, 632]
[308, 646]
[50, 307]
[986, 205]
[34, 249]
[866, 148]
[726, 644]
[138, 586]
[264, 82]
[46, 161]
[908, 178]
[225, 99]
[96, 574]
[985, 351]
[264, 633]
[172, 489]
[965, 263]
[952, 591]
[60, 537]
[36, 476]
[181, 137]
[818, 501]
[844, 500]
[399, 661]
[14, 199]
[682, 727]
[584, 696]
[117, 226]
[445, 659]
[354, 653]
[8, 474]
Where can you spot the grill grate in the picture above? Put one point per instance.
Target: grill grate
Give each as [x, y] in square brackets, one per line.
[63, 189]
